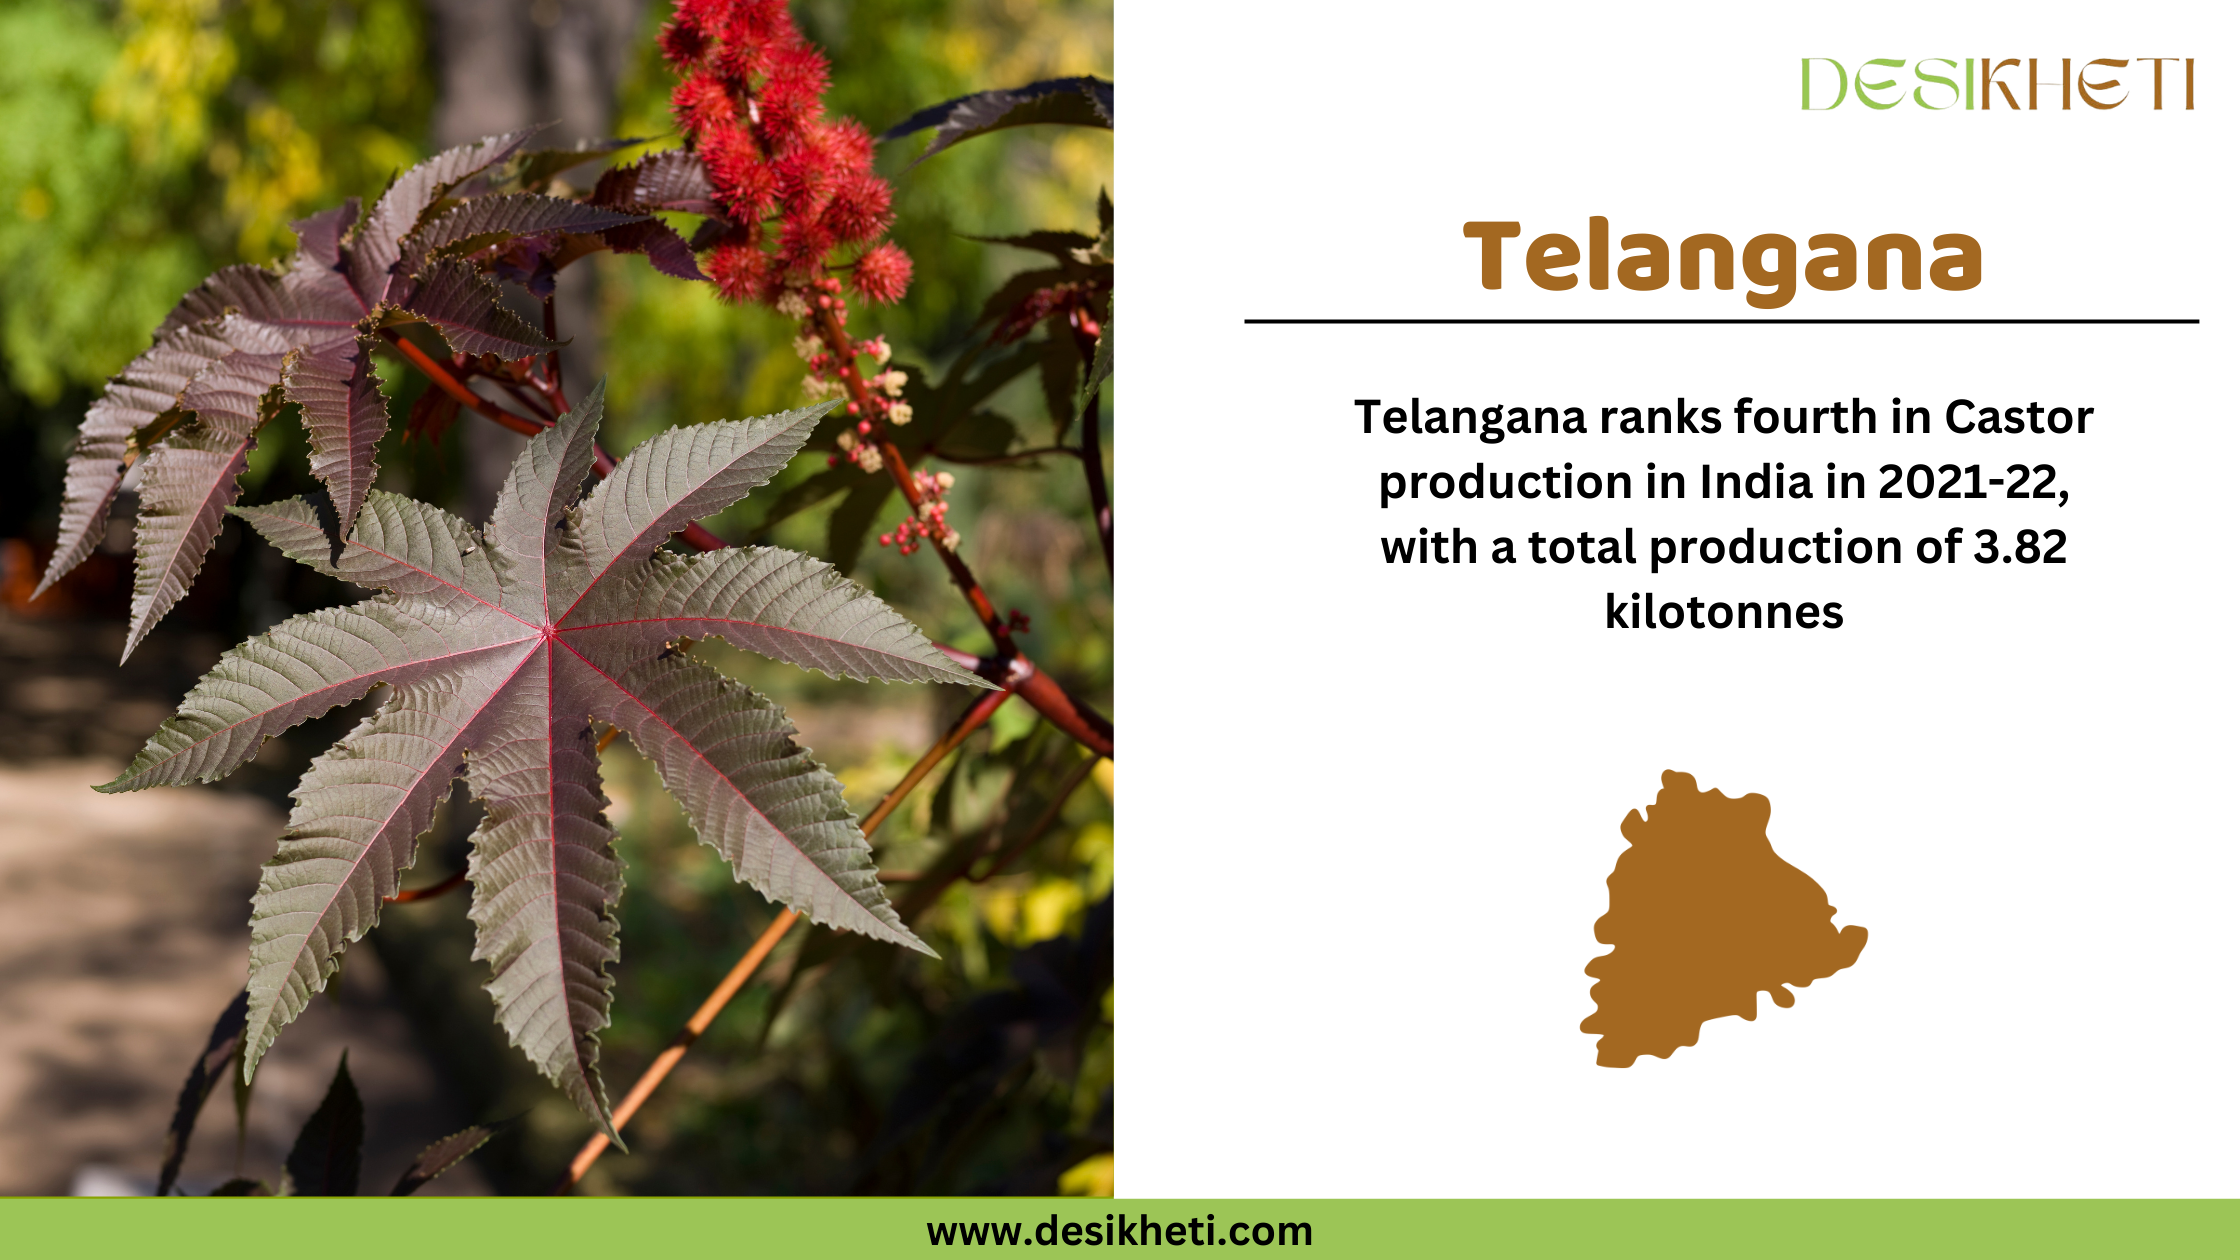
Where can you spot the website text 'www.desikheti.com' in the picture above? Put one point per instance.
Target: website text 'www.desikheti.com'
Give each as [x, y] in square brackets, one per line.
[1120, 1229]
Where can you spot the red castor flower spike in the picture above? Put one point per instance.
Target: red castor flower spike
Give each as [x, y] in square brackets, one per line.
[751, 104]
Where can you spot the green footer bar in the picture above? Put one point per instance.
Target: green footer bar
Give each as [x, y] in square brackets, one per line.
[500, 1229]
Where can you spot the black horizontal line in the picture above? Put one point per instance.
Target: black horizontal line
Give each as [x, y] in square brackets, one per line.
[1722, 321]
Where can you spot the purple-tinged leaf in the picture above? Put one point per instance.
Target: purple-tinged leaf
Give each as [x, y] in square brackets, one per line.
[465, 307]
[782, 604]
[359, 814]
[487, 221]
[376, 250]
[545, 874]
[490, 685]
[674, 479]
[661, 245]
[1059, 245]
[324, 1160]
[534, 169]
[528, 524]
[442, 1155]
[400, 545]
[345, 415]
[753, 795]
[134, 399]
[672, 179]
[192, 478]
[302, 306]
[304, 667]
[1085, 101]
[712, 232]
[319, 236]
[217, 1054]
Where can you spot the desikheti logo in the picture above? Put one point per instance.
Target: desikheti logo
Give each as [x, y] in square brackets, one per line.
[1970, 83]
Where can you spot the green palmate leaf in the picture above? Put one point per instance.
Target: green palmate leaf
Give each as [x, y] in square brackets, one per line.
[324, 1160]
[858, 514]
[505, 650]
[1100, 371]
[1060, 362]
[1080, 102]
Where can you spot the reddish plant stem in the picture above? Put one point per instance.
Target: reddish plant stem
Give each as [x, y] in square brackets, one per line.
[601, 462]
[1019, 675]
[451, 385]
[844, 352]
[698, 1024]
[552, 361]
[972, 719]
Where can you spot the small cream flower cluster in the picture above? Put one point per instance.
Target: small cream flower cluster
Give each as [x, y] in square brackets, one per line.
[827, 378]
[932, 519]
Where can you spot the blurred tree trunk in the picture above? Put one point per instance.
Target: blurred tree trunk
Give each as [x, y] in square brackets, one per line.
[503, 64]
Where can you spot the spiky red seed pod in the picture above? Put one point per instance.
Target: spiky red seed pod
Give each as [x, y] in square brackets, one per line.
[784, 123]
[701, 102]
[756, 191]
[848, 143]
[683, 46]
[765, 19]
[729, 155]
[797, 72]
[883, 273]
[704, 18]
[745, 53]
[803, 236]
[859, 207]
[803, 173]
[738, 268]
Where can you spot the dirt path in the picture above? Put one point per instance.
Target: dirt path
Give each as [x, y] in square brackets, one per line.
[123, 933]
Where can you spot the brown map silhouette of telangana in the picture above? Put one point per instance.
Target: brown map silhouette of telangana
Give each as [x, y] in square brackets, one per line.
[1705, 916]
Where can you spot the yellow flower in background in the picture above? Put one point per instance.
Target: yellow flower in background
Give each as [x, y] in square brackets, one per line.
[176, 57]
[1091, 1178]
[277, 176]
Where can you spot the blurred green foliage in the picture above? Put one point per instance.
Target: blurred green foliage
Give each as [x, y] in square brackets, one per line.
[154, 140]
[151, 143]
